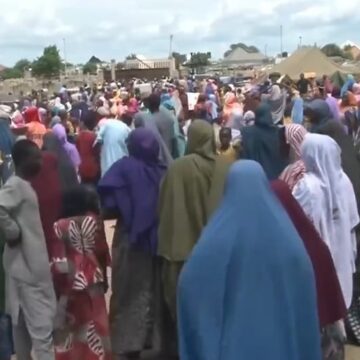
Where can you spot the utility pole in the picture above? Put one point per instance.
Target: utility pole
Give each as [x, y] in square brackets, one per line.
[65, 61]
[300, 41]
[171, 45]
[281, 41]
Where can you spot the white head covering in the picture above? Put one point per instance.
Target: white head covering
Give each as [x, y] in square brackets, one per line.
[328, 198]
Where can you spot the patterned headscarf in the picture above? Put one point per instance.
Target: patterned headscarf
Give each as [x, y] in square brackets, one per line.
[295, 135]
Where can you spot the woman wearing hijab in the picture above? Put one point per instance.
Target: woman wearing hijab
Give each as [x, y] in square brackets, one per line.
[349, 111]
[351, 166]
[145, 120]
[232, 111]
[297, 112]
[225, 297]
[261, 142]
[35, 129]
[330, 301]
[322, 123]
[350, 81]
[70, 149]
[190, 192]
[130, 189]
[112, 138]
[328, 199]
[89, 170]
[167, 106]
[67, 174]
[333, 106]
[47, 186]
[277, 102]
[294, 135]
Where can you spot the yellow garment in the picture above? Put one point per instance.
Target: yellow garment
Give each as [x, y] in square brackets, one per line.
[229, 155]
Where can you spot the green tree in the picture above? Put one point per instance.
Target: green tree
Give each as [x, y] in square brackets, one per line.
[131, 57]
[249, 49]
[49, 64]
[11, 73]
[179, 59]
[332, 50]
[94, 60]
[23, 64]
[90, 68]
[200, 59]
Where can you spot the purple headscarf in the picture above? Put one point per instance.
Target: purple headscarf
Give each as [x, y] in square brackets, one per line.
[131, 187]
[60, 132]
[334, 107]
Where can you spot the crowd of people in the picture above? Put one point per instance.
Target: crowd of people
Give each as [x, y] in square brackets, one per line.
[236, 231]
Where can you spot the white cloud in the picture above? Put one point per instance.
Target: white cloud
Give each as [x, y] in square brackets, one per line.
[113, 28]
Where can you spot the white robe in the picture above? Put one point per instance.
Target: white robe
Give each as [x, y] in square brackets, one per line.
[327, 197]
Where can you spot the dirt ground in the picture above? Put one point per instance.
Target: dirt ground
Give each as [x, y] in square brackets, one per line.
[352, 353]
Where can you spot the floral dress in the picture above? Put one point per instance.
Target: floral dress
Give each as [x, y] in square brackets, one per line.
[81, 324]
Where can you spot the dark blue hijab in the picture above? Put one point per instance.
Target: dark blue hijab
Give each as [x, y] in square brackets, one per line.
[131, 187]
[261, 142]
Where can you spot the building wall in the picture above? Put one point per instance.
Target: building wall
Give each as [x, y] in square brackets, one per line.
[128, 74]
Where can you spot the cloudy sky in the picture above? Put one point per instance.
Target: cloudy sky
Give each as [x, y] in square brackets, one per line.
[115, 28]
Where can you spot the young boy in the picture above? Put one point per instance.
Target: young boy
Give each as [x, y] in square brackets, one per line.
[226, 149]
[30, 297]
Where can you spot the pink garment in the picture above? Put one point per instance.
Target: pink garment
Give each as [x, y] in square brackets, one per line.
[295, 135]
[231, 107]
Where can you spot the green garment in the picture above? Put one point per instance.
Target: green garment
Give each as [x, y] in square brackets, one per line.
[190, 192]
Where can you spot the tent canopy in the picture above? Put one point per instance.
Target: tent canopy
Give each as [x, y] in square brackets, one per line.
[308, 60]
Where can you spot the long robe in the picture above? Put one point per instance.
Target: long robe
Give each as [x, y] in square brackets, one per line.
[191, 190]
[30, 296]
[248, 290]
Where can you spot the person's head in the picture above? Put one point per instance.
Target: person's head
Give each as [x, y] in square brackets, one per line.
[321, 155]
[60, 132]
[201, 99]
[317, 112]
[154, 103]
[225, 138]
[256, 99]
[302, 76]
[263, 116]
[294, 136]
[201, 139]
[90, 120]
[80, 201]
[63, 115]
[127, 118]
[143, 145]
[31, 114]
[27, 158]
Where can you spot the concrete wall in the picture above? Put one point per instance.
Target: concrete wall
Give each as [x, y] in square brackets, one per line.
[28, 83]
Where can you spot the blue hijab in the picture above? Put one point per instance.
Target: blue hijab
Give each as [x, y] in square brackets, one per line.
[297, 113]
[6, 137]
[248, 289]
[261, 143]
[350, 81]
[6, 143]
